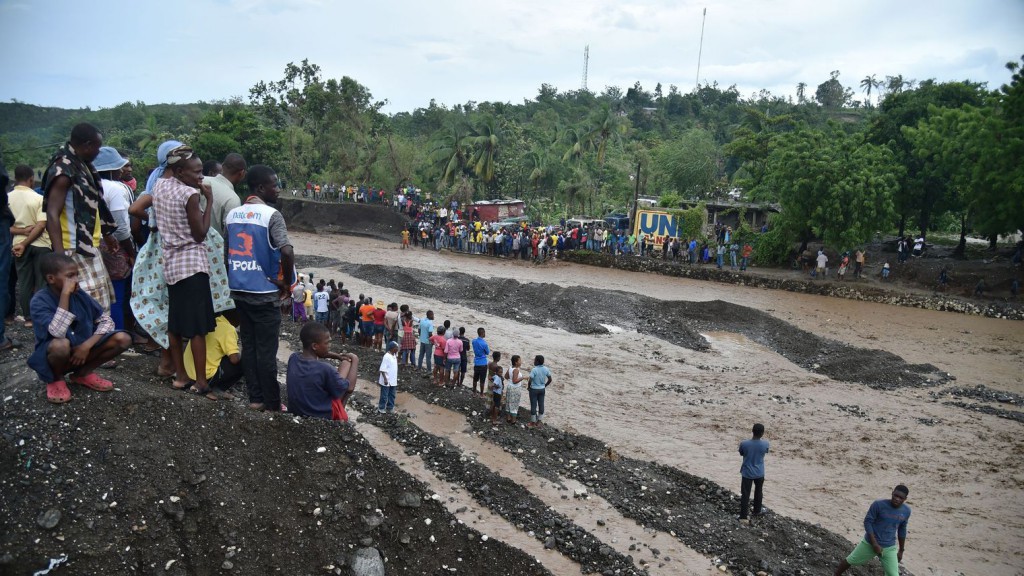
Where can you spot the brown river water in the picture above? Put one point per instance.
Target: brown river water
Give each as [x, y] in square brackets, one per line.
[650, 399]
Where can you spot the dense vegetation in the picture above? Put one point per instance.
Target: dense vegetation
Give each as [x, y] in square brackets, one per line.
[912, 156]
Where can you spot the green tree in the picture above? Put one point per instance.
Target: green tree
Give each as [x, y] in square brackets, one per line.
[833, 186]
[920, 192]
[831, 93]
[687, 166]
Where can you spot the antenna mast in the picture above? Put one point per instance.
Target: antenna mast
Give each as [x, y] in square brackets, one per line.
[701, 51]
[586, 64]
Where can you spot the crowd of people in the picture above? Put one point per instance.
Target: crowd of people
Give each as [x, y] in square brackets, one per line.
[524, 241]
[205, 278]
[186, 268]
[438, 350]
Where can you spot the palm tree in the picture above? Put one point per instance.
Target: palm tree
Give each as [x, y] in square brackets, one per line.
[801, 90]
[450, 152]
[150, 135]
[483, 145]
[867, 84]
[894, 84]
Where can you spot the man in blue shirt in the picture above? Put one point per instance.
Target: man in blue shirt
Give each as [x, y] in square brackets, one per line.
[480, 353]
[752, 471]
[426, 349]
[884, 524]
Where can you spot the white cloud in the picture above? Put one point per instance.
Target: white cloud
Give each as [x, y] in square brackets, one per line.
[460, 50]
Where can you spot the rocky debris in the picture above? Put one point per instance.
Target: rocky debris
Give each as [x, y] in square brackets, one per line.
[48, 519]
[852, 410]
[981, 392]
[367, 562]
[409, 500]
[986, 409]
[580, 310]
[501, 495]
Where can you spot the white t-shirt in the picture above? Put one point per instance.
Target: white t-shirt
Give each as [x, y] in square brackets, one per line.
[388, 366]
[822, 259]
[118, 197]
[320, 300]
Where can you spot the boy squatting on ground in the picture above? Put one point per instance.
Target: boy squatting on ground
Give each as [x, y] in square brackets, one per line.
[73, 332]
[315, 388]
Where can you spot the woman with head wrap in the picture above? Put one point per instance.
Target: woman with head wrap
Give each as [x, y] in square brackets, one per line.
[149, 299]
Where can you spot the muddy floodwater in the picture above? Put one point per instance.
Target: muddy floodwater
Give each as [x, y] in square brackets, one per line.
[836, 444]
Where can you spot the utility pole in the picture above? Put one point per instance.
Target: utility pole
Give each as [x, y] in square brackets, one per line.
[701, 51]
[636, 197]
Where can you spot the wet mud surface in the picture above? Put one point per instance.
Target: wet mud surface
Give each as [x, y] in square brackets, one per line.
[699, 513]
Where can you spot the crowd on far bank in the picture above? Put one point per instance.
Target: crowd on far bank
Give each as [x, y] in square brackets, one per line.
[452, 230]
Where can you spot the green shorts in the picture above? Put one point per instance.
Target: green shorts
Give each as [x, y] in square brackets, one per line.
[864, 552]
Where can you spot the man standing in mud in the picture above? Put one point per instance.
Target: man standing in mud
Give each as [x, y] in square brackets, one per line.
[752, 471]
[885, 523]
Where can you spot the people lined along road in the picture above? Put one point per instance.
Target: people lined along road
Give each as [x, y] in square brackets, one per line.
[521, 240]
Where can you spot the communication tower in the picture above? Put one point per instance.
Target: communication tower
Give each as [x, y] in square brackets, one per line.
[586, 63]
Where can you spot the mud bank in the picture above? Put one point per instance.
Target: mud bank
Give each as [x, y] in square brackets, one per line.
[591, 311]
[147, 480]
[850, 290]
[350, 218]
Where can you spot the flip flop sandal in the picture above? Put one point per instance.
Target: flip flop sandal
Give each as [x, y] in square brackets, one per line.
[185, 387]
[57, 392]
[109, 365]
[93, 382]
[198, 392]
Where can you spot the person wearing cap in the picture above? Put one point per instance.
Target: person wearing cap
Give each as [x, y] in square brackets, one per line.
[388, 379]
[30, 241]
[884, 525]
[77, 216]
[120, 258]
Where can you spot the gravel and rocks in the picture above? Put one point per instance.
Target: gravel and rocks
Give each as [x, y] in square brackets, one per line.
[147, 480]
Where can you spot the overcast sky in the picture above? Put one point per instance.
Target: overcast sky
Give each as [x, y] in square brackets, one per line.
[71, 53]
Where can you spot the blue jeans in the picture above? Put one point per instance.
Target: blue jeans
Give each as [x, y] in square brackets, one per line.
[536, 404]
[406, 356]
[387, 398]
[6, 261]
[426, 349]
[743, 263]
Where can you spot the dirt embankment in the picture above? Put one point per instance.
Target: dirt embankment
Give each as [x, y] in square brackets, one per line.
[342, 218]
[918, 279]
[589, 311]
[145, 480]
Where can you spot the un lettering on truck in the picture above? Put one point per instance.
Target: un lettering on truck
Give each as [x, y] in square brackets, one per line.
[657, 225]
